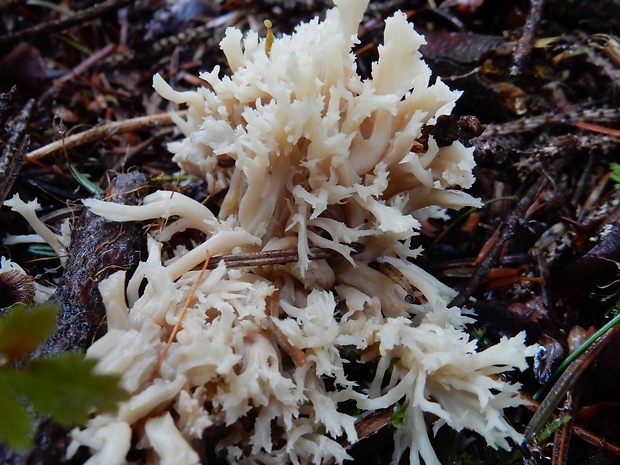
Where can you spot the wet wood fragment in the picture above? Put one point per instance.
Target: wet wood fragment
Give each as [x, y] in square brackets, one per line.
[449, 129]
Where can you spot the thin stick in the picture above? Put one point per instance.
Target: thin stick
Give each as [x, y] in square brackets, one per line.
[534, 123]
[579, 431]
[103, 131]
[297, 355]
[12, 156]
[523, 49]
[65, 21]
[87, 63]
[505, 232]
[566, 382]
[273, 257]
[177, 326]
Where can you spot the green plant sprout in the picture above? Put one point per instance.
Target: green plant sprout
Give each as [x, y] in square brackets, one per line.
[551, 427]
[41, 250]
[86, 183]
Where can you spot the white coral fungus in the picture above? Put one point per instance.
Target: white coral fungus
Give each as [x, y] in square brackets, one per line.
[321, 159]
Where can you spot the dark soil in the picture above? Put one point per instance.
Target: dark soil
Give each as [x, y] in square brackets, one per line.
[542, 255]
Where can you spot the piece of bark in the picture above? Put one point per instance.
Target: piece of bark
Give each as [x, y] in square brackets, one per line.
[98, 249]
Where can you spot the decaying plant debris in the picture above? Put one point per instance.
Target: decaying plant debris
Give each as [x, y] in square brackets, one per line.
[540, 256]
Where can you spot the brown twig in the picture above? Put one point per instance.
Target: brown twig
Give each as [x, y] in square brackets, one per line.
[81, 307]
[297, 355]
[577, 430]
[366, 427]
[87, 63]
[12, 157]
[534, 123]
[523, 49]
[506, 231]
[561, 438]
[271, 257]
[64, 21]
[566, 382]
[103, 131]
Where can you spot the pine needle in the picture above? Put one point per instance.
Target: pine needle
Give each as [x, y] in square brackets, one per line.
[177, 326]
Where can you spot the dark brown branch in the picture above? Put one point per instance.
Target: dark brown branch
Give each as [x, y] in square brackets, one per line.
[12, 157]
[524, 45]
[506, 232]
[534, 123]
[98, 249]
[64, 21]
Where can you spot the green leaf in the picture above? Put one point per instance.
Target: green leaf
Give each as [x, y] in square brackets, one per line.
[85, 182]
[66, 388]
[22, 329]
[42, 250]
[615, 173]
[15, 423]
